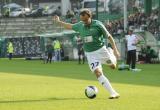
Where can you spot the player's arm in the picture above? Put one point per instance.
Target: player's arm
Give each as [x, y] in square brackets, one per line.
[125, 41]
[111, 40]
[61, 23]
[137, 41]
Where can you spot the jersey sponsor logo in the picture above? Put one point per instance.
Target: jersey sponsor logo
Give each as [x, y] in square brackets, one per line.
[92, 30]
[88, 39]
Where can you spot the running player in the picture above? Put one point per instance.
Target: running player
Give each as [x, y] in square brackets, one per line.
[93, 33]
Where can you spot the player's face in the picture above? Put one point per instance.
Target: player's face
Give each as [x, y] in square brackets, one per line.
[84, 18]
[130, 33]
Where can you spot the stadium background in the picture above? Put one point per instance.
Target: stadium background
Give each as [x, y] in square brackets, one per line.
[30, 34]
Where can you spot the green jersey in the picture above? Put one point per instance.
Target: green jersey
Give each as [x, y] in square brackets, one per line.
[92, 35]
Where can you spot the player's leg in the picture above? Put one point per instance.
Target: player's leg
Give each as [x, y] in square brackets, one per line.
[50, 57]
[10, 56]
[79, 57]
[129, 58]
[96, 67]
[106, 83]
[59, 55]
[133, 57]
[44, 59]
[47, 57]
[83, 58]
[55, 54]
[110, 58]
[107, 56]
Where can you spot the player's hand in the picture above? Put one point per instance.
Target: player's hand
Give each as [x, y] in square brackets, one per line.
[56, 18]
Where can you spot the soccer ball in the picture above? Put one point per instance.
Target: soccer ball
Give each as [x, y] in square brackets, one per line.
[91, 92]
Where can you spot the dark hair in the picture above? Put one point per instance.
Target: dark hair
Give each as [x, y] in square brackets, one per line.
[131, 30]
[86, 11]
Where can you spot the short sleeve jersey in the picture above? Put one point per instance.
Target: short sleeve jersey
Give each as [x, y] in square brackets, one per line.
[131, 39]
[92, 35]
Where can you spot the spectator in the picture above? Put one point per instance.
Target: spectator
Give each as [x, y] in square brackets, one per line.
[70, 14]
[150, 53]
[7, 12]
[58, 11]
[132, 41]
[46, 9]
[80, 50]
[57, 50]
[49, 49]
[10, 50]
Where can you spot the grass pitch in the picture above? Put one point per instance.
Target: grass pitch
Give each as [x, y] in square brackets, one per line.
[32, 85]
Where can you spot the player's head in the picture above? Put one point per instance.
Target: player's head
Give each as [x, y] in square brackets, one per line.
[85, 15]
[130, 31]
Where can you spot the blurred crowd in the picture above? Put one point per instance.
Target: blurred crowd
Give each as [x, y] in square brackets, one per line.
[147, 55]
[139, 21]
[26, 46]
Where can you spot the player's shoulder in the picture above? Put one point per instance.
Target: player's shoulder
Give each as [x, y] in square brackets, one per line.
[97, 22]
[80, 22]
[126, 37]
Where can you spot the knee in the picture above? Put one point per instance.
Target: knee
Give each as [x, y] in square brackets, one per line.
[98, 72]
[113, 66]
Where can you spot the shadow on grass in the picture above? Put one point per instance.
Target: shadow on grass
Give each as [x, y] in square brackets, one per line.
[41, 100]
[70, 69]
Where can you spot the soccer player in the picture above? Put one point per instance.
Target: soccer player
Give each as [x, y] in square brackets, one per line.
[93, 33]
[80, 50]
[10, 50]
[49, 49]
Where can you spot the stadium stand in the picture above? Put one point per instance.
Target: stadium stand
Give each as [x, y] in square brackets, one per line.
[26, 26]
[23, 33]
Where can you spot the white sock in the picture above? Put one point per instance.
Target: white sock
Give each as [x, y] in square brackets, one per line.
[105, 82]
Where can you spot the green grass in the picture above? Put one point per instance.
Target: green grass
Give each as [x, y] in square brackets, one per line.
[31, 85]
